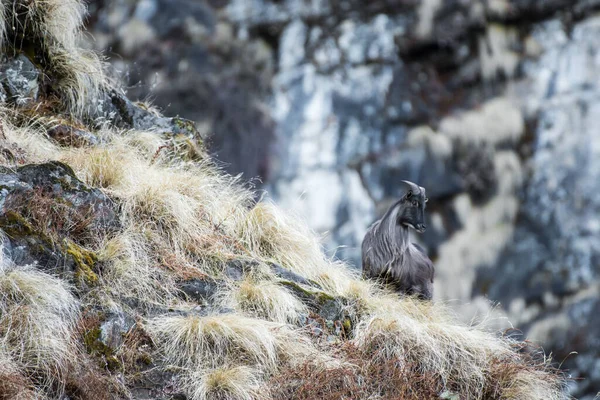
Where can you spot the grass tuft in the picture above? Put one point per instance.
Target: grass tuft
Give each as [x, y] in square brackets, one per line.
[52, 27]
[129, 270]
[37, 320]
[225, 383]
[214, 340]
[264, 299]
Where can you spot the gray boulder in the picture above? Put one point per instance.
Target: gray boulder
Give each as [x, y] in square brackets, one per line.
[19, 79]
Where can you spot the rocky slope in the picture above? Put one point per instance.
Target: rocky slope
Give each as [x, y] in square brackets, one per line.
[131, 266]
[488, 104]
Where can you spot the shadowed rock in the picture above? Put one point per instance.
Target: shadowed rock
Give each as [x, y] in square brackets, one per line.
[41, 206]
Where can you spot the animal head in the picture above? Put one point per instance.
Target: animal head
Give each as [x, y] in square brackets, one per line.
[411, 211]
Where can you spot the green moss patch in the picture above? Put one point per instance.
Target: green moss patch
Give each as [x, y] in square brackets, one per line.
[85, 261]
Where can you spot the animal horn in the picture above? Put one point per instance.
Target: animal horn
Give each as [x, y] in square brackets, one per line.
[412, 187]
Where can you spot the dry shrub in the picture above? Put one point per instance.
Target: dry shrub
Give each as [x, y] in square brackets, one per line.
[530, 376]
[136, 352]
[362, 375]
[86, 381]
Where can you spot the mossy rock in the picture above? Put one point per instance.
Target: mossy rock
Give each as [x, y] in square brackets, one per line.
[115, 107]
[184, 126]
[85, 262]
[327, 306]
[27, 246]
[58, 181]
[95, 347]
[15, 225]
[48, 215]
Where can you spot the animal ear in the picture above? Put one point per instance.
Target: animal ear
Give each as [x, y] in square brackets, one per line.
[409, 194]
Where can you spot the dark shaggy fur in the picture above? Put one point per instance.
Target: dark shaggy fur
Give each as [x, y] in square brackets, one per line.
[389, 256]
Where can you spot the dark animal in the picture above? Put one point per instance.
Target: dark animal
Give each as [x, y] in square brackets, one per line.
[389, 256]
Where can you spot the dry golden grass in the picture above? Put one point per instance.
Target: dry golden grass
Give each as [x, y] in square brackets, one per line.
[225, 383]
[80, 78]
[265, 299]
[98, 167]
[220, 356]
[268, 232]
[32, 140]
[55, 20]
[37, 320]
[467, 360]
[130, 270]
[216, 340]
[459, 356]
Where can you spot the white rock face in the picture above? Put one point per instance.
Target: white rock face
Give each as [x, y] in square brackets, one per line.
[566, 163]
[319, 138]
[293, 38]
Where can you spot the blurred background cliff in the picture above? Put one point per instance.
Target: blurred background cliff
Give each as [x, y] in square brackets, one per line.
[491, 105]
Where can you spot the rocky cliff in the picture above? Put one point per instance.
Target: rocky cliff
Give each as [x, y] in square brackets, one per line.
[488, 104]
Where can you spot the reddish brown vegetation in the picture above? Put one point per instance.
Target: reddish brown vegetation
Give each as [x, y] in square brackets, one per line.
[88, 382]
[136, 351]
[504, 373]
[364, 375]
[368, 374]
[14, 386]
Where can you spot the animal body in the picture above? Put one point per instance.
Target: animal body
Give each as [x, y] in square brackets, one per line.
[389, 256]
